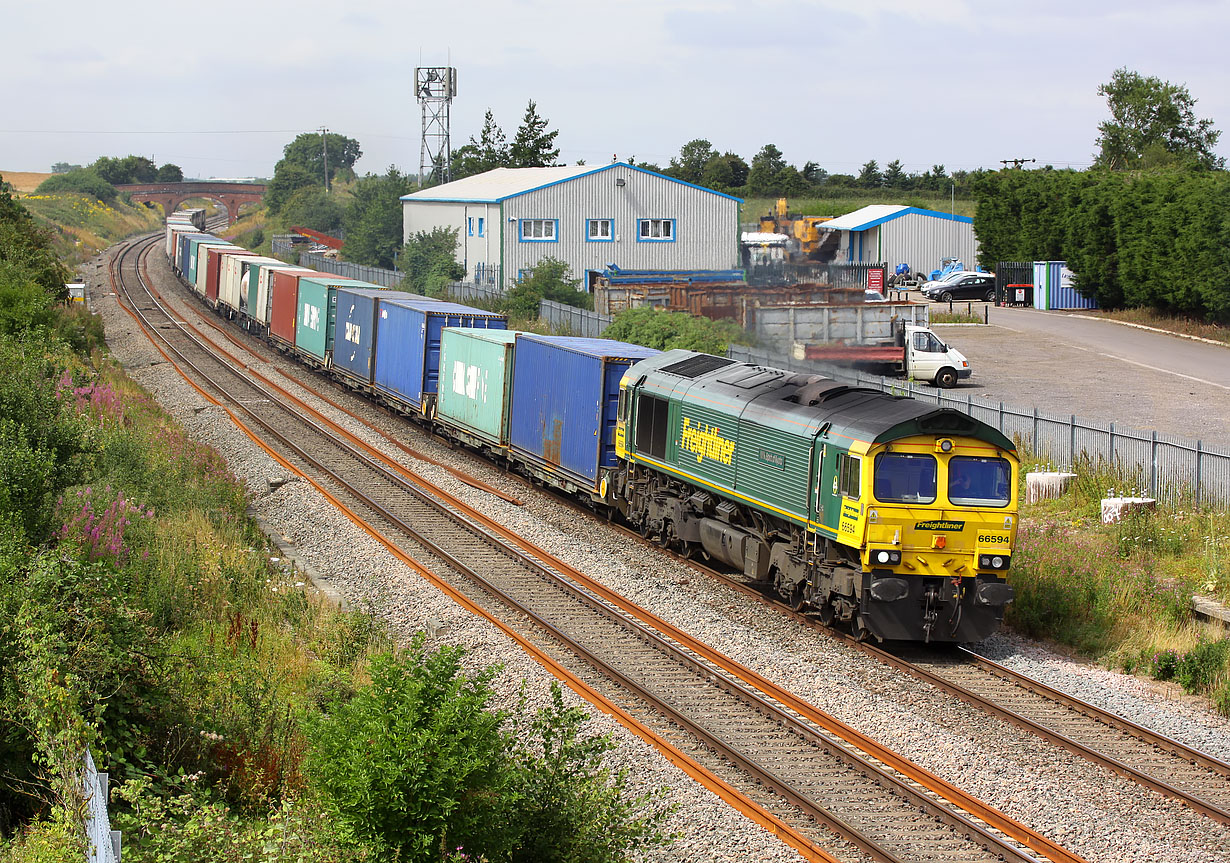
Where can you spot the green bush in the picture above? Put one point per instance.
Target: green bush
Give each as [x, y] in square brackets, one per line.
[548, 280]
[667, 330]
[85, 181]
[416, 765]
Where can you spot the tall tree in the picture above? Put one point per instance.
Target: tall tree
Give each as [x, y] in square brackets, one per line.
[490, 151]
[373, 219]
[691, 162]
[170, 173]
[763, 177]
[869, 176]
[894, 175]
[130, 169]
[288, 178]
[307, 151]
[725, 173]
[1153, 122]
[534, 146]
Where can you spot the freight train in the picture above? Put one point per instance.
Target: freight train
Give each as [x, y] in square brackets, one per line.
[882, 514]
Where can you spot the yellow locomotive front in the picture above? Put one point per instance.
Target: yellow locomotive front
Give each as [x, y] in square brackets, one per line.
[936, 529]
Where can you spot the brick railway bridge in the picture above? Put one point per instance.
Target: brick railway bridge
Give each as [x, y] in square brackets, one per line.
[232, 196]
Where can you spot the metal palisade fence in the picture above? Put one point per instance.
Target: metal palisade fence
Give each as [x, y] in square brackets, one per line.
[569, 319]
[351, 270]
[104, 843]
[1149, 464]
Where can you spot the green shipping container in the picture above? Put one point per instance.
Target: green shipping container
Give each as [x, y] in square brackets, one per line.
[317, 313]
[475, 381]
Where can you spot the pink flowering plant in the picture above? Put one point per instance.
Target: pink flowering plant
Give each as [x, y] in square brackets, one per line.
[94, 522]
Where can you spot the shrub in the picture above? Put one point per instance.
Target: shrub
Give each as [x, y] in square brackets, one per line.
[667, 330]
[85, 181]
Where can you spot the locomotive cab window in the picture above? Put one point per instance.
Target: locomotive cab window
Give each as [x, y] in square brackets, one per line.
[979, 481]
[651, 417]
[847, 475]
[904, 478]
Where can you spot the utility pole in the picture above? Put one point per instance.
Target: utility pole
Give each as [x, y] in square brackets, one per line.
[324, 146]
[1016, 163]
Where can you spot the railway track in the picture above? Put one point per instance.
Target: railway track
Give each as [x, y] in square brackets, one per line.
[735, 723]
[1150, 759]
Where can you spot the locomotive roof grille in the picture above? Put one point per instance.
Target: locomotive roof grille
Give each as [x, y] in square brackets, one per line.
[694, 367]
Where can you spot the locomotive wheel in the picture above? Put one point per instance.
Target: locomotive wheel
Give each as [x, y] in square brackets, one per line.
[798, 596]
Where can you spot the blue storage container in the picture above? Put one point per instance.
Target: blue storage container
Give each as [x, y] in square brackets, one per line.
[182, 251]
[355, 332]
[1055, 288]
[565, 395]
[407, 366]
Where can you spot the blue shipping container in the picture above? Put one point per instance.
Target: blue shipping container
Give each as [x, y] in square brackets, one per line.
[407, 348]
[1055, 287]
[183, 243]
[355, 333]
[565, 394]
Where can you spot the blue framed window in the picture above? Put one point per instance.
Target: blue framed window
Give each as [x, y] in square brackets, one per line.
[470, 226]
[655, 230]
[540, 230]
[481, 223]
[599, 230]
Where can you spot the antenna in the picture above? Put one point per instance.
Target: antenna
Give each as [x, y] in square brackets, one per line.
[435, 87]
[1016, 163]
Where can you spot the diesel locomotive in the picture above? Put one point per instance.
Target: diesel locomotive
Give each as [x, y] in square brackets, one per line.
[884, 513]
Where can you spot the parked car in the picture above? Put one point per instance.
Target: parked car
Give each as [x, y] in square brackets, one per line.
[945, 279]
[871, 295]
[968, 286]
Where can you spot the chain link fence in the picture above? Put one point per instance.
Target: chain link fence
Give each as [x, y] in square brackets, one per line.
[1165, 467]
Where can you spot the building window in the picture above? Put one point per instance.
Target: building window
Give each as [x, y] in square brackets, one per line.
[481, 222]
[539, 230]
[600, 230]
[470, 226]
[655, 231]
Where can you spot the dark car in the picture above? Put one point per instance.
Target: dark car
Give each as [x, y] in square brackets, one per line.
[971, 286]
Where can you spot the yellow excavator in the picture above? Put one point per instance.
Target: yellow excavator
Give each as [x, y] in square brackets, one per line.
[807, 235]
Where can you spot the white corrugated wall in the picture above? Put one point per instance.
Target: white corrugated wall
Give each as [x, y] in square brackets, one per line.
[915, 239]
[706, 225]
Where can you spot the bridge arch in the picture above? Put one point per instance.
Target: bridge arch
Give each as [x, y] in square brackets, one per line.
[171, 195]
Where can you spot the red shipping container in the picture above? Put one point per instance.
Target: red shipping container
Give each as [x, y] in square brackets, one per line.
[284, 304]
[213, 269]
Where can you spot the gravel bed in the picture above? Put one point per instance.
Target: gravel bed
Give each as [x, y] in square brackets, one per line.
[1093, 812]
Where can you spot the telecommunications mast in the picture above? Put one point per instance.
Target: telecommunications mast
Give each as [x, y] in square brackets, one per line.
[435, 87]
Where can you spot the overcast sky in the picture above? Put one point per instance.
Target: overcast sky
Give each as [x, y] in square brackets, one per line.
[219, 89]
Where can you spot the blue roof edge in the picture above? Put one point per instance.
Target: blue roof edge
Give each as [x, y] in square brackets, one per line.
[450, 200]
[911, 211]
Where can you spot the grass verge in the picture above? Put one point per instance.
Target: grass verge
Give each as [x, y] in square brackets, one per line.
[83, 226]
[1121, 592]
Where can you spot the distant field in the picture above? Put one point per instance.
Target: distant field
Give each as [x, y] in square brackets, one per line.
[23, 181]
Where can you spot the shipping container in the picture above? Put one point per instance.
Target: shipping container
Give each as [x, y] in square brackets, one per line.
[215, 263]
[183, 246]
[264, 293]
[284, 304]
[407, 366]
[355, 329]
[199, 252]
[475, 382]
[1055, 288]
[233, 290]
[173, 230]
[565, 392]
[316, 308]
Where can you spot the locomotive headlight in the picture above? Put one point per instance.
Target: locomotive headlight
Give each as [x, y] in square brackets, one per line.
[943, 445]
[997, 561]
[882, 557]
[885, 556]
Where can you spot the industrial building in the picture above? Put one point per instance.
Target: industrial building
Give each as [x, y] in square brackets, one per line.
[893, 234]
[589, 217]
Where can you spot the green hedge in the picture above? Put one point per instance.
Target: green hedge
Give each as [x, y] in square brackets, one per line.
[1135, 239]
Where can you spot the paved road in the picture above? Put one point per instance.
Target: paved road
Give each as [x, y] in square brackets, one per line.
[1098, 370]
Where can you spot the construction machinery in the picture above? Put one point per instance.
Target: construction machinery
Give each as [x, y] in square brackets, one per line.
[809, 240]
